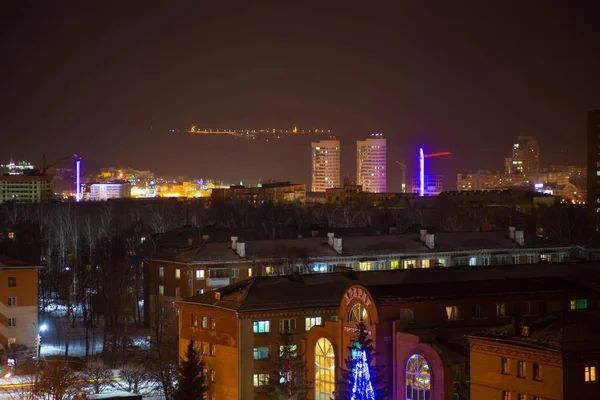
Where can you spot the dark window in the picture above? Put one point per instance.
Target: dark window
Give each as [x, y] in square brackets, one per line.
[12, 281]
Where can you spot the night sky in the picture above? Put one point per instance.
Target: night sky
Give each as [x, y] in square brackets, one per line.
[107, 80]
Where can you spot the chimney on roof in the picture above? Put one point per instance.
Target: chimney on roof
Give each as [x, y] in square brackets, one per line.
[520, 237]
[511, 232]
[330, 236]
[205, 238]
[337, 245]
[430, 241]
[314, 233]
[234, 240]
[423, 234]
[241, 249]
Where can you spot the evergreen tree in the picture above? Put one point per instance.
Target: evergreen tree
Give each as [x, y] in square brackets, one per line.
[356, 369]
[192, 384]
[287, 372]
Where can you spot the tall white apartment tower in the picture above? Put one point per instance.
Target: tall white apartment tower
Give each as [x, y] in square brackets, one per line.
[325, 165]
[371, 164]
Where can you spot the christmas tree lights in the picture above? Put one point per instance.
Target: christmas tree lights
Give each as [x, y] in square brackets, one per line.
[362, 388]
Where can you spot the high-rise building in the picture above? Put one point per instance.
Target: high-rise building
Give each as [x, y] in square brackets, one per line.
[325, 165]
[525, 156]
[371, 164]
[107, 191]
[593, 167]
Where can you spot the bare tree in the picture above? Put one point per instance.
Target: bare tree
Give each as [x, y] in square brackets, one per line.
[98, 376]
[135, 378]
[164, 346]
[58, 382]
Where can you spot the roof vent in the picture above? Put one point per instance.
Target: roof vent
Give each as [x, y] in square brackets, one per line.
[234, 240]
[430, 241]
[330, 236]
[511, 232]
[337, 245]
[423, 234]
[520, 237]
[241, 249]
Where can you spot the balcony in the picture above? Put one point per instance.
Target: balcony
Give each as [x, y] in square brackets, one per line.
[218, 281]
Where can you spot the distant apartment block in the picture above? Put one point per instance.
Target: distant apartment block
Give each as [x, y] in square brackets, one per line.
[26, 188]
[325, 165]
[108, 191]
[371, 164]
[18, 303]
[278, 192]
[525, 156]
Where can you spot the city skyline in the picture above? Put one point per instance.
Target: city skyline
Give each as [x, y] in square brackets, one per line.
[108, 92]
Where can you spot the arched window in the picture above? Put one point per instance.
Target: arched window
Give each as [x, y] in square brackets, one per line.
[359, 312]
[418, 379]
[324, 370]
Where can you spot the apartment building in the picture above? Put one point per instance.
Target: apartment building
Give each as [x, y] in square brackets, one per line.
[371, 164]
[26, 188]
[415, 317]
[18, 302]
[556, 357]
[325, 171]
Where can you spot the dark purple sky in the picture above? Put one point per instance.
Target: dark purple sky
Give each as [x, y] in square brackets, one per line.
[107, 81]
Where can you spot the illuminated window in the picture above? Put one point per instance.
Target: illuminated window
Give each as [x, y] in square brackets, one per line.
[199, 274]
[292, 349]
[177, 273]
[261, 353]
[453, 313]
[578, 304]
[309, 322]
[505, 366]
[425, 263]
[365, 266]
[161, 271]
[505, 395]
[590, 374]
[194, 321]
[324, 370]
[249, 271]
[212, 375]
[472, 261]
[269, 271]
[409, 264]
[213, 323]
[441, 262]
[161, 290]
[394, 264]
[212, 350]
[359, 313]
[261, 326]
[204, 322]
[501, 310]
[260, 379]
[418, 379]
[11, 235]
[522, 396]
[204, 349]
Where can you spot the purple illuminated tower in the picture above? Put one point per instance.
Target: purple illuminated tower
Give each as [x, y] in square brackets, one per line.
[78, 178]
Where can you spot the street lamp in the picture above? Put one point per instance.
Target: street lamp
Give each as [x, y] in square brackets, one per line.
[38, 341]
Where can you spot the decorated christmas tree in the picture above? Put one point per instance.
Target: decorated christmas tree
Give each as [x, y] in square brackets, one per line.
[362, 388]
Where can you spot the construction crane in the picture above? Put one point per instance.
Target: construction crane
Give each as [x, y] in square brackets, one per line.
[44, 169]
[402, 176]
[422, 157]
